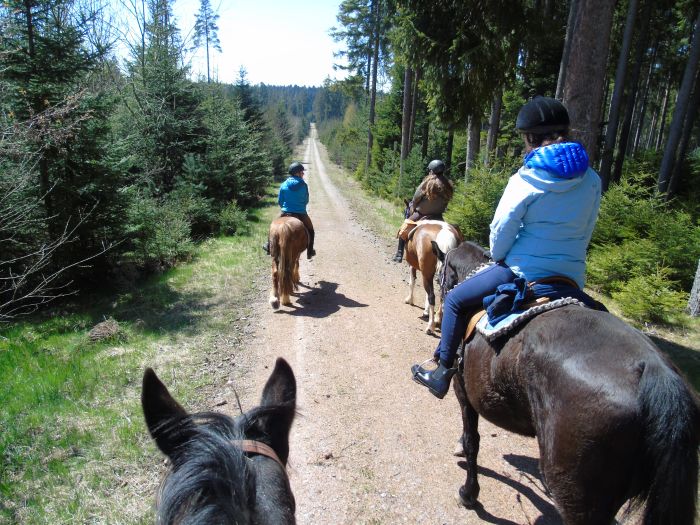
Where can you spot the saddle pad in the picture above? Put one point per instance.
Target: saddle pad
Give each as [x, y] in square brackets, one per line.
[517, 318]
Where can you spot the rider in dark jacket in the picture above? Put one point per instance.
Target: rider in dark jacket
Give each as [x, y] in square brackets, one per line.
[429, 201]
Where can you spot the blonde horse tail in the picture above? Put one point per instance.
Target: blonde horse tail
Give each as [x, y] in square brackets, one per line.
[286, 262]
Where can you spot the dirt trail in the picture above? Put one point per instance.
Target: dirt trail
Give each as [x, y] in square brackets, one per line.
[370, 445]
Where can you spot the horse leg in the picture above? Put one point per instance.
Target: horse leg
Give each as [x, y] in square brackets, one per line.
[469, 492]
[429, 302]
[411, 284]
[274, 298]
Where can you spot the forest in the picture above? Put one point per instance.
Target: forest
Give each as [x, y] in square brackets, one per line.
[110, 171]
[134, 197]
[447, 80]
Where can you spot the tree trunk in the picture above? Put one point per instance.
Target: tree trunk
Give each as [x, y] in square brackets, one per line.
[473, 143]
[425, 138]
[614, 115]
[643, 109]
[566, 52]
[688, 124]
[450, 146]
[373, 92]
[694, 301]
[414, 107]
[585, 71]
[632, 94]
[406, 117]
[494, 125]
[664, 113]
[674, 133]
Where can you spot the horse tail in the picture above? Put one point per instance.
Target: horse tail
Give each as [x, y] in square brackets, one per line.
[671, 416]
[286, 262]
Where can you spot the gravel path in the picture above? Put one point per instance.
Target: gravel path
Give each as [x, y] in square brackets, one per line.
[369, 445]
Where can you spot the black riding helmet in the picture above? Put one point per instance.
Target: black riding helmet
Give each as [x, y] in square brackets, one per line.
[542, 115]
[295, 168]
[436, 166]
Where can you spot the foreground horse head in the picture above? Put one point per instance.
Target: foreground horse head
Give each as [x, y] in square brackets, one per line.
[288, 239]
[614, 419]
[224, 470]
[420, 257]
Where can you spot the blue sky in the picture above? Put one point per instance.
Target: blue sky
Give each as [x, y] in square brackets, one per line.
[279, 42]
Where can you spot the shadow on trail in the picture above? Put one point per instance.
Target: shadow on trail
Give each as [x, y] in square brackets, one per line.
[159, 308]
[527, 466]
[321, 302]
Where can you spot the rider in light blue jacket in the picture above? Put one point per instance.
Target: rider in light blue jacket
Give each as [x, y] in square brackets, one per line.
[546, 216]
[541, 227]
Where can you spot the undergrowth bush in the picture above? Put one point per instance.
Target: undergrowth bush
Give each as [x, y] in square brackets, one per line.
[475, 201]
[644, 251]
[233, 219]
[652, 297]
[159, 232]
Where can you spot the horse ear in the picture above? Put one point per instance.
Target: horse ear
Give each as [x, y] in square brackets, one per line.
[280, 392]
[281, 386]
[437, 251]
[168, 423]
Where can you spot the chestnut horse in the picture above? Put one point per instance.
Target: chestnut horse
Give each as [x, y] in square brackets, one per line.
[614, 419]
[288, 238]
[420, 257]
[224, 470]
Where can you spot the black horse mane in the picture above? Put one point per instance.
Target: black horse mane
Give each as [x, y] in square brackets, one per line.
[210, 479]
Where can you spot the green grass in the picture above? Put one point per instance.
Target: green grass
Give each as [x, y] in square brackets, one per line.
[73, 444]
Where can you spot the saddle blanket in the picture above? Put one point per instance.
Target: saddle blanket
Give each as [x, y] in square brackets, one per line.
[507, 324]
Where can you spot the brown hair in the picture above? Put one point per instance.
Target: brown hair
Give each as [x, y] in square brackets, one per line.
[534, 140]
[435, 185]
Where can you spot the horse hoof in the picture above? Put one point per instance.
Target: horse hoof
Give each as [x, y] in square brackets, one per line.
[468, 501]
[459, 450]
[275, 303]
[429, 331]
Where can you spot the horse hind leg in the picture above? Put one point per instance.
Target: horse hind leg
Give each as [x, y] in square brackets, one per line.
[411, 286]
[274, 297]
[429, 310]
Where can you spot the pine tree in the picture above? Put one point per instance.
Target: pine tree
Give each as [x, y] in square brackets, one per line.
[206, 31]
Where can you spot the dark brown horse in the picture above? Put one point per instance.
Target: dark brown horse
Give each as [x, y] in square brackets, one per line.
[420, 257]
[224, 470]
[614, 419]
[288, 239]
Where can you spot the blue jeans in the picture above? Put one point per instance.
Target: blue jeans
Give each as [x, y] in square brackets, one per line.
[463, 299]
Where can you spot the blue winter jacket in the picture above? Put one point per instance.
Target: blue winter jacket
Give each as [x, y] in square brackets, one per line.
[294, 195]
[545, 218]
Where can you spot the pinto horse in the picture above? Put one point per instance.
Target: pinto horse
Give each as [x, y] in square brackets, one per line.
[420, 257]
[224, 470]
[288, 238]
[614, 420]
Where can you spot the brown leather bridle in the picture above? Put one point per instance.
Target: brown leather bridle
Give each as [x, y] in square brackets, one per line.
[256, 447]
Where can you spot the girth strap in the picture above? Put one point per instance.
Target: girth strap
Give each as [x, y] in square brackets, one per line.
[256, 447]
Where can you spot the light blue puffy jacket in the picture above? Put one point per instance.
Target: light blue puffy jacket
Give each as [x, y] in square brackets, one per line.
[294, 195]
[545, 218]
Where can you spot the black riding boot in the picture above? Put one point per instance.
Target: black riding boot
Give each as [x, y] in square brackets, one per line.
[399, 251]
[310, 252]
[266, 247]
[437, 381]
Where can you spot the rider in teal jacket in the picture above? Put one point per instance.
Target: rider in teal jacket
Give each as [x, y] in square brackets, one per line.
[293, 198]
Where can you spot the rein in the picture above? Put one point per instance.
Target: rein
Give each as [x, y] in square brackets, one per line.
[250, 446]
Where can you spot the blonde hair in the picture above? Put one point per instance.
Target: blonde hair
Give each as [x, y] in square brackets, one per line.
[435, 185]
